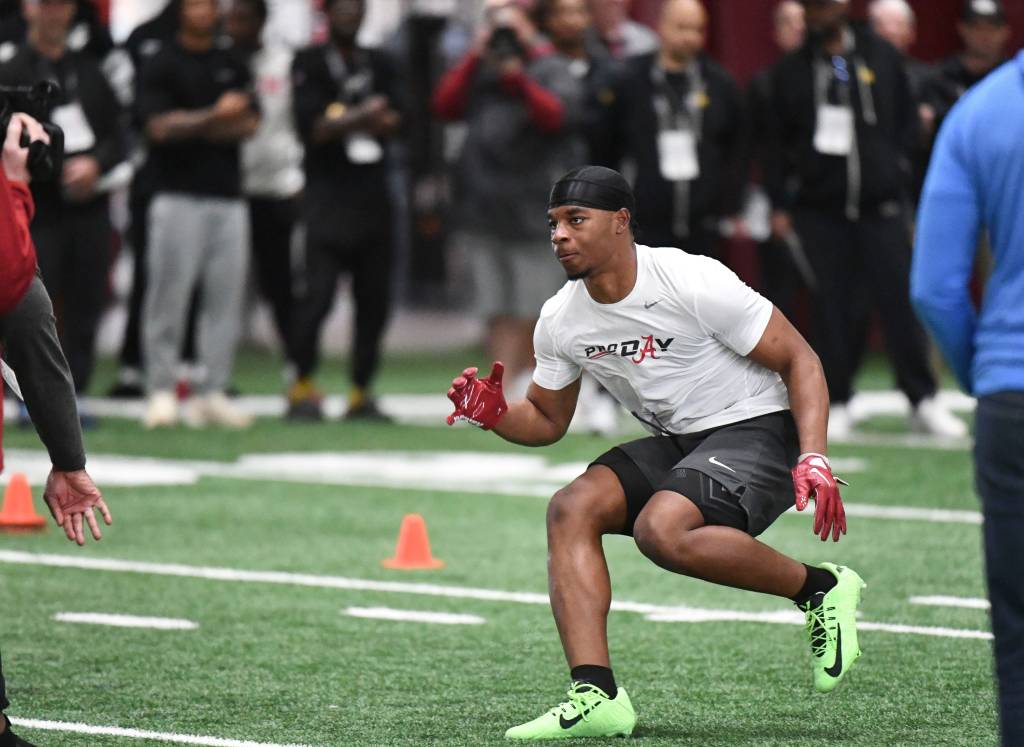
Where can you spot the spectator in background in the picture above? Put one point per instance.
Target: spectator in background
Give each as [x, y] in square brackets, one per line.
[679, 118]
[271, 160]
[843, 126]
[976, 182]
[524, 114]
[620, 35]
[784, 267]
[894, 21]
[985, 34]
[141, 46]
[194, 100]
[72, 231]
[347, 110]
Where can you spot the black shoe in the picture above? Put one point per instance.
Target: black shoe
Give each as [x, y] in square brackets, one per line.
[122, 390]
[368, 411]
[305, 410]
[9, 739]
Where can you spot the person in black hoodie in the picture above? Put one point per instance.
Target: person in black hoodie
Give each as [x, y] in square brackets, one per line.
[843, 125]
[679, 118]
[72, 230]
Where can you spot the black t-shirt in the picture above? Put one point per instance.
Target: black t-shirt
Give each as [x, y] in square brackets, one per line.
[179, 79]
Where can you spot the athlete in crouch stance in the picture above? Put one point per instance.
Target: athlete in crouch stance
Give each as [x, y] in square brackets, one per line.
[737, 404]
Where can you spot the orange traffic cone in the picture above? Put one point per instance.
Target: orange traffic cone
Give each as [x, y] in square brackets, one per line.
[17, 511]
[413, 549]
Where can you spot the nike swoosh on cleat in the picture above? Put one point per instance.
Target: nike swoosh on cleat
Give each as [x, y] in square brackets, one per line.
[568, 723]
[714, 460]
[837, 666]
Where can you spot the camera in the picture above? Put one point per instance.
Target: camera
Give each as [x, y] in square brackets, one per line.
[45, 160]
[504, 43]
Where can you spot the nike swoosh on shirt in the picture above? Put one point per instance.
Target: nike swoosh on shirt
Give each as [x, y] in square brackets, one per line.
[714, 461]
[652, 303]
[837, 666]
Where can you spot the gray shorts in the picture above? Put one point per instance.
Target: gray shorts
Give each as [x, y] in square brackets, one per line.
[511, 279]
[738, 475]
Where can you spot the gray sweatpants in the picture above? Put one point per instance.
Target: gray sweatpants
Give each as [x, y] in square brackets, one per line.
[194, 240]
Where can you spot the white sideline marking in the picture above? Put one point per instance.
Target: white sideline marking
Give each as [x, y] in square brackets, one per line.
[479, 473]
[156, 736]
[399, 587]
[441, 618]
[125, 621]
[973, 603]
[940, 515]
[980, 635]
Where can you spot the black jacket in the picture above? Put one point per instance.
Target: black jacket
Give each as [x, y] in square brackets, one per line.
[342, 199]
[79, 75]
[628, 130]
[796, 174]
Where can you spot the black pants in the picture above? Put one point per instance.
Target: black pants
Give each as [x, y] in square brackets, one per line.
[999, 474]
[138, 235]
[74, 250]
[780, 279]
[853, 260]
[369, 262]
[272, 222]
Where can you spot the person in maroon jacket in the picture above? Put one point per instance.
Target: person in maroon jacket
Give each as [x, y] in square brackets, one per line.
[28, 339]
[514, 95]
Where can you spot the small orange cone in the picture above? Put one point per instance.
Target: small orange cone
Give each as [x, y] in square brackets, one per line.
[413, 549]
[17, 511]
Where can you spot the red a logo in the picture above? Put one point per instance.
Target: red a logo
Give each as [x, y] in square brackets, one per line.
[646, 351]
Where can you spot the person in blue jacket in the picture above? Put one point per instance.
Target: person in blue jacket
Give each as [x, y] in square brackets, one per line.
[976, 182]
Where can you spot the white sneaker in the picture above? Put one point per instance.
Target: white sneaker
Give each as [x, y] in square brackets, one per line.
[215, 409]
[161, 410]
[932, 418]
[840, 423]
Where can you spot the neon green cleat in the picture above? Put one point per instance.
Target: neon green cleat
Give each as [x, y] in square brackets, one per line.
[587, 713]
[832, 627]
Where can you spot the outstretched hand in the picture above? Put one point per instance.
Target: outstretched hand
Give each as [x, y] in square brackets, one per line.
[813, 478]
[478, 401]
[71, 497]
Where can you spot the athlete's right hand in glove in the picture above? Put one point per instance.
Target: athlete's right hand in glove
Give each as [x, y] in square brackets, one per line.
[813, 478]
[478, 401]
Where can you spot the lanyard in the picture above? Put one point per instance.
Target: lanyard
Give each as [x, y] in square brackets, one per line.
[353, 86]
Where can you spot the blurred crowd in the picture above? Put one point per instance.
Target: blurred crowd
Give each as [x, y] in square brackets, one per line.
[224, 160]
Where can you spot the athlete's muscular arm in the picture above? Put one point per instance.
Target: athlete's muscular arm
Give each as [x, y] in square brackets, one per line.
[540, 419]
[784, 350]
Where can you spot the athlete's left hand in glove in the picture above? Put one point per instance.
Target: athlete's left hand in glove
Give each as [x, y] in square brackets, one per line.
[813, 478]
[478, 401]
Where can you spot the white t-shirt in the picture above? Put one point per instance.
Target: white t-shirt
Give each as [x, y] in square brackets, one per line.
[672, 351]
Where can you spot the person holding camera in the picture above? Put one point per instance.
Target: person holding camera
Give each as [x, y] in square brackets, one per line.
[347, 111]
[28, 340]
[72, 232]
[195, 102]
[519, 103]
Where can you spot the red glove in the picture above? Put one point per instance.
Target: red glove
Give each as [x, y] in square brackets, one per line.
[479, 401]
[813, 478]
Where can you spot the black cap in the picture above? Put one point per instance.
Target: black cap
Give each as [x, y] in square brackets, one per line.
[594, 187]
[984, 10]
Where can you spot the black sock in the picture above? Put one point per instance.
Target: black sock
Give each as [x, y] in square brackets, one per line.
[601, 677]
[818, 581]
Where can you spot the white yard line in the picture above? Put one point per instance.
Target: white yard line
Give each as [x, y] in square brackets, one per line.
[973, 603]
[125, 621]
[156, 736]
[400, 587]
[437, 618]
